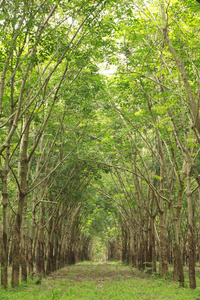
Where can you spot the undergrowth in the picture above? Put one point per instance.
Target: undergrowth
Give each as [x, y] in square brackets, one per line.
[91, 281]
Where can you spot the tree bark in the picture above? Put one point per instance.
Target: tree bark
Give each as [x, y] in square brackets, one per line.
[40, 264]
[191, 237]
[21, 199]
[178, 263]
[4, 249]
[23, 251]
[163, 247]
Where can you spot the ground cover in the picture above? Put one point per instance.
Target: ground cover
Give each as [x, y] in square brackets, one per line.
[93, 281]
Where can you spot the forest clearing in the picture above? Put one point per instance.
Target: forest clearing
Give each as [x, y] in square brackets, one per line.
[100, 147]
[103, 281]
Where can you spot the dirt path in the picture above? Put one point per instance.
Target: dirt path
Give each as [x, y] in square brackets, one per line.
[98, 272]
[101, 281]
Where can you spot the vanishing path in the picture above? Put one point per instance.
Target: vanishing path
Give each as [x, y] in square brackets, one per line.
[90, 281]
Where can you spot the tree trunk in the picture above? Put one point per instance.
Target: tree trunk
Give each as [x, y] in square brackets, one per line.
[40, 265]
[30, 240]
[152, 241]
[23, 252]
[132, 244]
[16, 243]
[4, 248]
[49, 266]
[21, 199]
[178, 263]
[163, 247]
[31, 233]
[191, 244]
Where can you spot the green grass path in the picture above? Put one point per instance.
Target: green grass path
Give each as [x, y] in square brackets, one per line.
[91, 281]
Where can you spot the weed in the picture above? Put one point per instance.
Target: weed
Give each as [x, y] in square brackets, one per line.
[155, 275]
[38, 279]
[169, 275]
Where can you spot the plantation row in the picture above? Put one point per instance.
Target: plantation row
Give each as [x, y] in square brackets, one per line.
[100, 133]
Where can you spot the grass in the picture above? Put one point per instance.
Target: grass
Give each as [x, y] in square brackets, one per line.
[103, 281]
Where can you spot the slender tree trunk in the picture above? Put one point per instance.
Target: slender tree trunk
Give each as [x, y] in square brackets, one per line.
[153, 245]
[150, 249]
[178, 263]
[16, 243]
[55, 252]
[124, 244]
[4, 249]
[4, 177]
[31, 237]
[32, 228]
[163, 230]
[23, 251]
[40, 265]
[21, 200]
[199, 251]
[49, 266]
[133, 262]
[191, 237]
[163, 247]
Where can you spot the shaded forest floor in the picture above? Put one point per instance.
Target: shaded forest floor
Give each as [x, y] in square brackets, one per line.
[92, 281]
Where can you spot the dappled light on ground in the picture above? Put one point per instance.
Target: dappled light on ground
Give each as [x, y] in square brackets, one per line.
[99, 272]
[101, 281]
